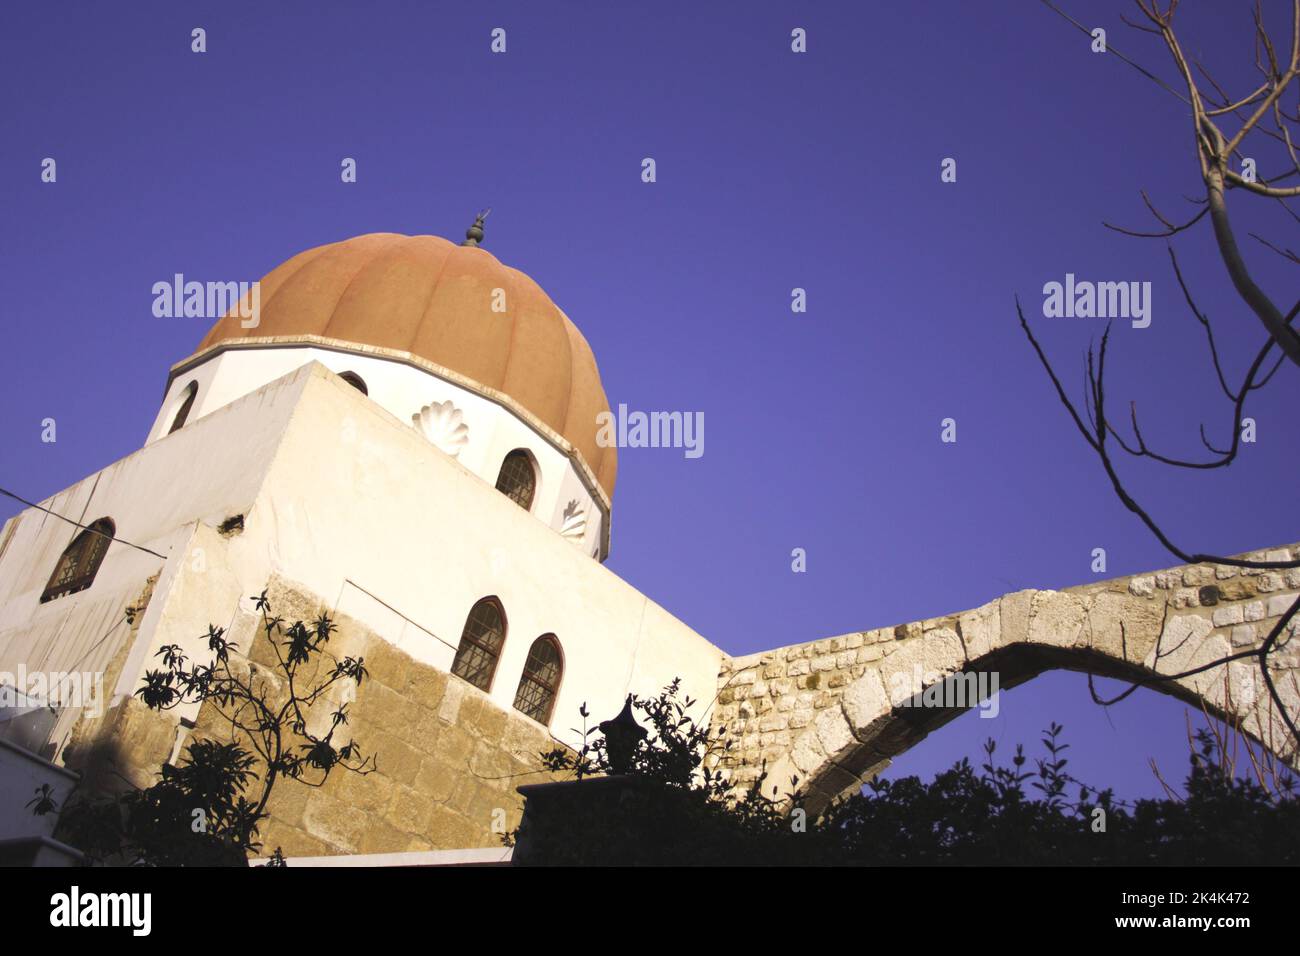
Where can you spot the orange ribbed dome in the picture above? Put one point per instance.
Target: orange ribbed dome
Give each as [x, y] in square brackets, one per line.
[433, 299]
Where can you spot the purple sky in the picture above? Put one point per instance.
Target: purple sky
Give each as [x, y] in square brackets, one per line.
[775, 170]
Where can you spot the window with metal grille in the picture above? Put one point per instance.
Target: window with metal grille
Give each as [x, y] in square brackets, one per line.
[191, 390]
[480, 643]
[537, 688]
[80, 560]
[517, 480]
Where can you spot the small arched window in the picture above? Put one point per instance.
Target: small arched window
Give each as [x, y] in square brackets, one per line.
[80, 560]
[356, 381]
[480, 643]
[517, 480]
[183, 413]
[541, 681]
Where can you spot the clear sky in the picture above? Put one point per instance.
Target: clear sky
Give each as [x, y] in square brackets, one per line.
[775, 170]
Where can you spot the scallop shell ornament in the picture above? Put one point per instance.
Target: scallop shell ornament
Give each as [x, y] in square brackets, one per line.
[444, 425]
[574, 525]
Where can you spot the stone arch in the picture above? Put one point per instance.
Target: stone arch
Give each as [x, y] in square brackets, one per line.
[865, 687]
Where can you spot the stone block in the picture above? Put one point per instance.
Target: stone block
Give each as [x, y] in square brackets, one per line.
[426, 686]
[449, 830]
[866, 706]
[370, 791]
[1056, 618]
[428, 728]
[1237, 589]
[808, 752]
[382, 837]
[1279, 604]
[334, 822]
[1225, 616]
[288, 801]
[388, 665]
[436, 779]
[410, 810]
[801, 718]
[1121, 624]
[489, 760]
[454, 693]
[395, 758]
[1189, 642]
[1013, 612]
[489, 722]
[455, 745]
[1143, 586]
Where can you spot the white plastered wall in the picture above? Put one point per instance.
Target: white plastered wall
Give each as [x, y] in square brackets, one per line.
[401, 389]
[421, 538]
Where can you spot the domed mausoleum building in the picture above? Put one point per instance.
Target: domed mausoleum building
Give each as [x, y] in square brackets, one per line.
[399, 431]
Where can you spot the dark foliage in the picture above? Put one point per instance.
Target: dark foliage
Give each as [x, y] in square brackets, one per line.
[672, 809]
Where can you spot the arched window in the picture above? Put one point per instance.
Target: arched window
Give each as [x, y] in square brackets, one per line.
[480, 643]
[191, 390]
[80, 560]
[541, 681]
[517, 480]
[356, 381]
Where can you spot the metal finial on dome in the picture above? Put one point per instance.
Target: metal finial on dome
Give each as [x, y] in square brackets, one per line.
[474, 234]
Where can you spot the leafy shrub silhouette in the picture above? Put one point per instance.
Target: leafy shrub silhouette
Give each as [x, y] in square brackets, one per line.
[682, 810]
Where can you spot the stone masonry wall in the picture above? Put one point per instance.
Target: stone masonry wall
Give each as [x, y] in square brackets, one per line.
[819, 709]
[449, 759]
[765, 698]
